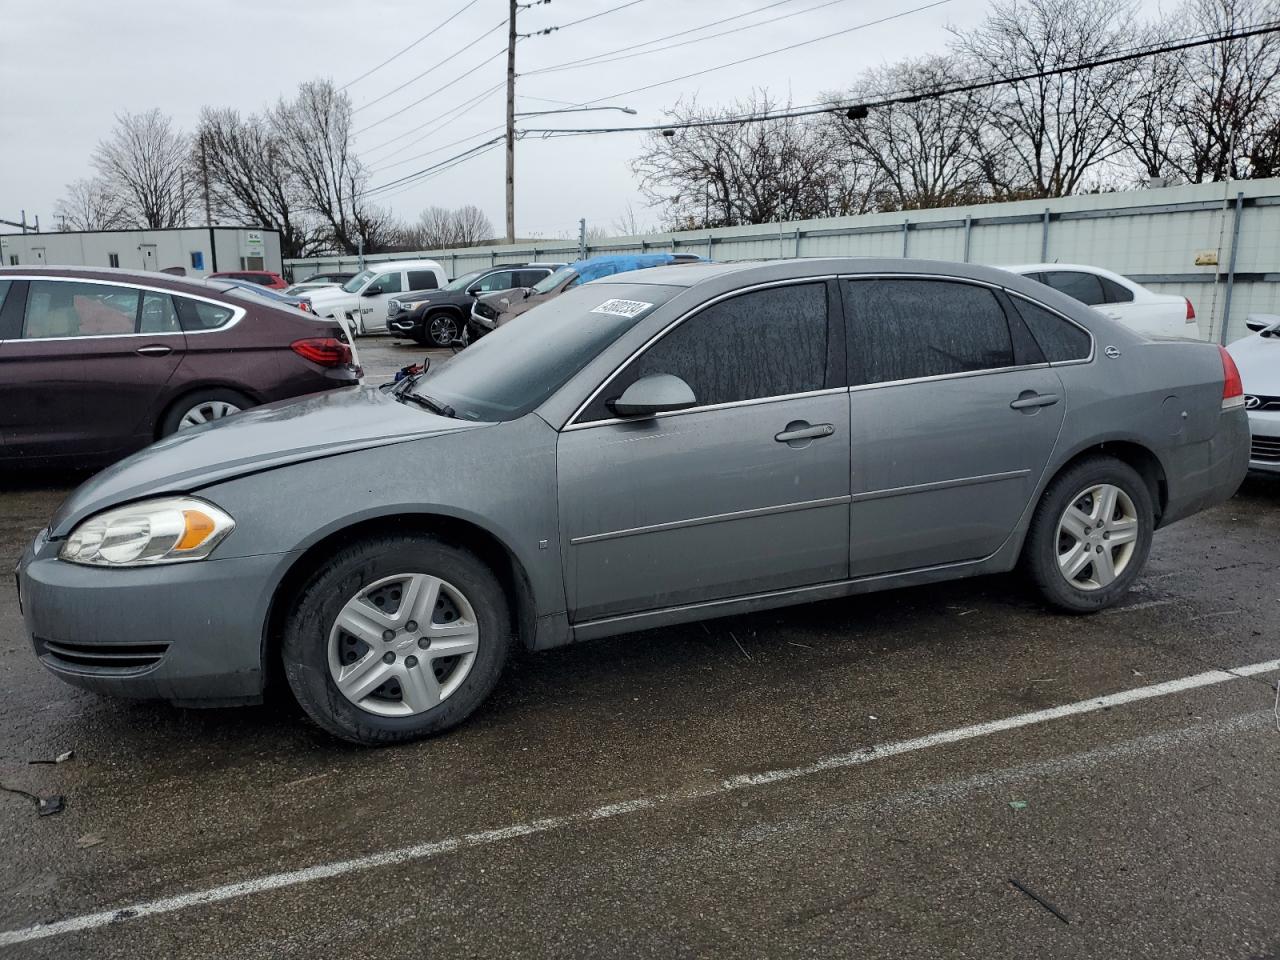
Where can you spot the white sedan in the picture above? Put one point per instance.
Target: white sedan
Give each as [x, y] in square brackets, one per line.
[1165, 315]
[1258, 358]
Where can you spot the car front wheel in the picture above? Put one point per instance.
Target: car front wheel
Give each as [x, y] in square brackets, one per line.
[396, 638]
[442, 329]
[1090, 535]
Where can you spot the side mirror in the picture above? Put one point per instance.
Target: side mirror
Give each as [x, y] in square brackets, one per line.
[371, 291]
[474, 291]
[1257, 322]
[654, 394]
[528, 292]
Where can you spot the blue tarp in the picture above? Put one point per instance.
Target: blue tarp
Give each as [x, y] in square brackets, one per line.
[594, 268]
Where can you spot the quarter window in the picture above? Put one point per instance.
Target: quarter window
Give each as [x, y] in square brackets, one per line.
[197, 315]
[158, 314]
[1060, 339]
[1114, 292]
[905, 329]
[766, 343]
[58, 309]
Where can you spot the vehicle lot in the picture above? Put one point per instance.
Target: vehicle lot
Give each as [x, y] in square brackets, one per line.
[605, 771]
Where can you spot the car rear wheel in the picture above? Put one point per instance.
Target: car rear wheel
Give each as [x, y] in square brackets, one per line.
[396, 638]
[442, 329]
[1090, 535]
[203, 407]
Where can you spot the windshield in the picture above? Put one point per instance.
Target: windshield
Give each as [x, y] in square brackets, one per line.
[547, 284]
[358, 281]
[512, 370]
[465, 280]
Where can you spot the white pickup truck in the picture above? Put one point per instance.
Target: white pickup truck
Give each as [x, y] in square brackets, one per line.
[1165, 315]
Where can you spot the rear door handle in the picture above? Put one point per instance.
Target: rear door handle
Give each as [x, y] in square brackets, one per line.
[155, 350]
[1028, 399]
[800, 430]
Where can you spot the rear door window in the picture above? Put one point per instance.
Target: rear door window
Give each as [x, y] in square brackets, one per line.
[1085, 287]
[906, 329]
[1059, 338]
[760, 344]
[74, 309]
[422, 280]
[527, 278]
[158, 314]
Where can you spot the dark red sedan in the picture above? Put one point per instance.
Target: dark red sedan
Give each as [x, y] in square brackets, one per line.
[97, 363]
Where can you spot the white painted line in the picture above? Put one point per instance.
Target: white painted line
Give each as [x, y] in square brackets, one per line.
[423, 851]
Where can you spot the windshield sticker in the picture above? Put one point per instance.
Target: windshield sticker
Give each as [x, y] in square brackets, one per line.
[623, 308]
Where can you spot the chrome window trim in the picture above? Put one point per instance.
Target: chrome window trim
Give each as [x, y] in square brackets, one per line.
[238, 313]
[963, 374]
[710, 407]
[573, 423]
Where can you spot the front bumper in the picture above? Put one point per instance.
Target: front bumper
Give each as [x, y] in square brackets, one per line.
[191, 633]
[1264, 446]
[405, 324]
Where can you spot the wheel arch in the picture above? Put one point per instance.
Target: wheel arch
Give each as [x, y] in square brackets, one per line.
[458, 531]
[1132, 452]
[190, 390]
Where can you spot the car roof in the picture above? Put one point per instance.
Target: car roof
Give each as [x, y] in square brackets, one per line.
[146, 278]
[388, 265]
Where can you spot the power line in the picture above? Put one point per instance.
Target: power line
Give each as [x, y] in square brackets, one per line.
[426, 97]
[913, 97]
[572, 23]
[577, 64]
[427, 153]
[770, 53]
[669, 36]
[435, 66]
[435, 122]
[437, 27]
[421, 174]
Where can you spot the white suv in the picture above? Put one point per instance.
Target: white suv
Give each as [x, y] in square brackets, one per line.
[361, 302]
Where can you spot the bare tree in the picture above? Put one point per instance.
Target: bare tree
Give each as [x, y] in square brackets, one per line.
[1059, 128]
[313, 131]
[628, 224]
[776, 169]
[471, 226]
[144, 162]
[928, 152]
[1149, 117]
[1228, 91]
[90, 205]
[242, 160]
[439, 228]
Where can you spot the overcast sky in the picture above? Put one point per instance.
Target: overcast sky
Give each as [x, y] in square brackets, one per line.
[67, 67]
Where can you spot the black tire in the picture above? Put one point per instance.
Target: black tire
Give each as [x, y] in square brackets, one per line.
[211, 395]
[1040, 553]
[443, 338]
[315, 608]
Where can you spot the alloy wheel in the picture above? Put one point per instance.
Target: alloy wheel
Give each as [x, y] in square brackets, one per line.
[1097, 536]
[443, 330]
[403, 644]
[206, 411]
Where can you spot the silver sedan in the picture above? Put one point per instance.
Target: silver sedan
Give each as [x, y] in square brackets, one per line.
[658, 447]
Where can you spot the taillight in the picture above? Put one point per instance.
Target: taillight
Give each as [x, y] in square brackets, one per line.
[1232, 386]
[1191, 311]
[326, 351]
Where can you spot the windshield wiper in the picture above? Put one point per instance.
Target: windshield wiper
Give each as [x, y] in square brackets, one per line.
[432, 404]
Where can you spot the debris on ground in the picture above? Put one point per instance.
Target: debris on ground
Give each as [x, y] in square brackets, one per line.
[1040, 900]
[1018, 804]
[60, 758]
[90, 840]
[45, 806]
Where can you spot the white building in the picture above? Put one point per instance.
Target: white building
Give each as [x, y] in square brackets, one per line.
[198, 250]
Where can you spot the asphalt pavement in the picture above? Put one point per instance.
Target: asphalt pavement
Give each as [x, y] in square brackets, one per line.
[897, 775]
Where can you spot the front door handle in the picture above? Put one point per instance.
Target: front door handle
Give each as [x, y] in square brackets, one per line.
[1029, 398]
[155, 350]
[798, 432]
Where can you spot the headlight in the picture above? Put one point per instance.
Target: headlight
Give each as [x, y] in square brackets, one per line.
[394, 306]
[170, 530]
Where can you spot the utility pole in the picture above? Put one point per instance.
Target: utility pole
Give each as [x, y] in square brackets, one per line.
[582, 239]
[511, 122]
[204, 174]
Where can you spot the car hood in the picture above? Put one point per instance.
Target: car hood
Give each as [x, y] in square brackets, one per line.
[419, 296]
[328, 295]
[1258, 358]
[322, 425]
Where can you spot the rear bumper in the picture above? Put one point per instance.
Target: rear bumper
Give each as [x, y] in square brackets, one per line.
[190, 633]
[1202, 475]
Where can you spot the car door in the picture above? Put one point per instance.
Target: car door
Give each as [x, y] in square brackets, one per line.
[746, 492]
[84, 366]
[374, 297]
[953, 415]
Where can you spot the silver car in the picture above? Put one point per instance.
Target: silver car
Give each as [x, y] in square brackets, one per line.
[652, 448]
[1258, 358]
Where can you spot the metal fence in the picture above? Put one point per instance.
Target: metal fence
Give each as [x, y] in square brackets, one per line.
[1216, 243]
